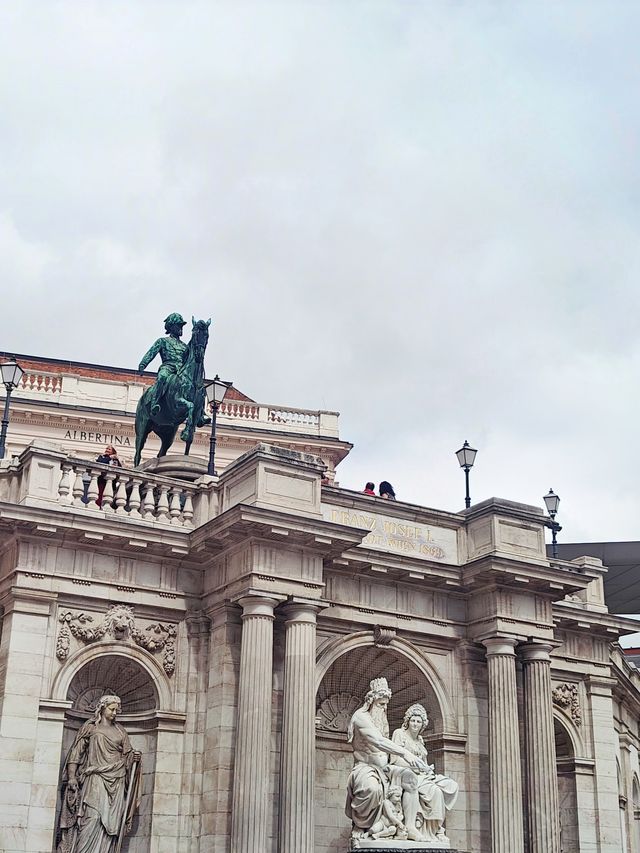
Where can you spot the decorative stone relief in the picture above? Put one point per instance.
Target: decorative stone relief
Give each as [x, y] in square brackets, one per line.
[119, 623]
[565, 696]
[383, 636]
[335, 712]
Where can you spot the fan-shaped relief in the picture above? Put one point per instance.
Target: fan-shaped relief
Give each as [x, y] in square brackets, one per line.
[119, 624]
[111, 674]
[335, 711]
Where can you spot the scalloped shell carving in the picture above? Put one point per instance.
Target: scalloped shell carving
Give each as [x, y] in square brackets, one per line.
[335, 712]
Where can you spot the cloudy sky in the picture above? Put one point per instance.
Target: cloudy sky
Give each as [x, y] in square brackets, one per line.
[421, 214]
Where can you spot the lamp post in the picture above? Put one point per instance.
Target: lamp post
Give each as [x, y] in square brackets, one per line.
[215, 390]
[466, 457]
[11, 375]
[552, 502]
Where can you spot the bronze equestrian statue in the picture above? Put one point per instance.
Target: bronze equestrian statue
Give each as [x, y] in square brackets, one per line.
[178, 394]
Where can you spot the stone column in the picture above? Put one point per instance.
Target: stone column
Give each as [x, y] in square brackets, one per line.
[541, 774]
[504, 747]
[253, 733]
[298, 731]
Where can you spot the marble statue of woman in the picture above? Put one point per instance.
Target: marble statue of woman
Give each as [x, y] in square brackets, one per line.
[100, 795]
[436, 793]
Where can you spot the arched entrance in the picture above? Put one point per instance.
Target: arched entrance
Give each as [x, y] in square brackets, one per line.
[128, 679]
[342, 690]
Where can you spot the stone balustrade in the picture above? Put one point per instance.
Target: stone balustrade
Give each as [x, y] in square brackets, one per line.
[118, 491]
[43, 475]
[124, 396]
[41, 383]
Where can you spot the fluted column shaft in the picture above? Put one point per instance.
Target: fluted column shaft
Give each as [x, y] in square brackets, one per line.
[541, 776]
[298, 731]
[504, 748]
[253, 733]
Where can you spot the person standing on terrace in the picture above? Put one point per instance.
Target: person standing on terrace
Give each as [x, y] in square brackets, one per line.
[385, 490]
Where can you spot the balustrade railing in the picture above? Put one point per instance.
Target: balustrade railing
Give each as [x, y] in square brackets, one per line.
[46, 383]
[124, 493]
[298, 417]
[36, 384]
[240, 409]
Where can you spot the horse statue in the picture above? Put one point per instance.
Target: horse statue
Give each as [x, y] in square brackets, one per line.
[178, 394]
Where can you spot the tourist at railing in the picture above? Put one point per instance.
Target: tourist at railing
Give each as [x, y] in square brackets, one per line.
[109, 457]
[369, 489]
[385, 490]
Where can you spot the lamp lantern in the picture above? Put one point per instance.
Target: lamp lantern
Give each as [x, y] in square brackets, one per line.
[466, 457]
[11, 374]
[215, 389]
[552, 502]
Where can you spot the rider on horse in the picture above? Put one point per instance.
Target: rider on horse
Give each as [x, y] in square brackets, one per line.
[172, 351]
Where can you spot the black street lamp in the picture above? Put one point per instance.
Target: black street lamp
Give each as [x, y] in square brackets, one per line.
[11, 375]
[466, 457]
[552, 502]
[215, 390]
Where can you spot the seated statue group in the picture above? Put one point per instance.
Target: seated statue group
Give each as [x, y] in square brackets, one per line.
[393, 793]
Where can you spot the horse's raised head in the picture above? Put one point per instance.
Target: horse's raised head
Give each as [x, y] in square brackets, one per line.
[199, 336]
[199, 324]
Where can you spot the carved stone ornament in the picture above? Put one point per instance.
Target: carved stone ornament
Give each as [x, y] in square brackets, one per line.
[335, 712]
[383, 636]
[565, 696]
[119, 623]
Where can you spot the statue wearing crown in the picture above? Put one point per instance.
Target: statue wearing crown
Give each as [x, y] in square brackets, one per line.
[393, 793]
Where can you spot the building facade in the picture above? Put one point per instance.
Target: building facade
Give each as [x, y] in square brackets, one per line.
[241, 617]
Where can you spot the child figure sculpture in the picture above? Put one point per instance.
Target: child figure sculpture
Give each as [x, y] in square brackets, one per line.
[391, 823]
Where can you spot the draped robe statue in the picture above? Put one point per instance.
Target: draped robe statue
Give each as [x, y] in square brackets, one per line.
[101, 790]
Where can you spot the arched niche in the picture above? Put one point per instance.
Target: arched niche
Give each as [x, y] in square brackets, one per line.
[345, 668]
[567, 790]
[112, 669]
[635, 799]
[349, 676]
[440, 707]
[123, 655]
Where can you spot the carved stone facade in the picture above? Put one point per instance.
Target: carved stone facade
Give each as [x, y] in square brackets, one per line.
[118, 623]
[565, 696]
[242, 639]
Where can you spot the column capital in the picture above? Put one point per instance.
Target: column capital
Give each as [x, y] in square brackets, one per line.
[530, 652]
[500, 645]
[258, 606]
[301, 610]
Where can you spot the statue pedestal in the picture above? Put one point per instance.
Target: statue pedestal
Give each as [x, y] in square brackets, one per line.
[180, 467]
[381, 846]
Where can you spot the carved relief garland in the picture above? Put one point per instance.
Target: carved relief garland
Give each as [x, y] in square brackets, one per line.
[119, 623]
[565, 696]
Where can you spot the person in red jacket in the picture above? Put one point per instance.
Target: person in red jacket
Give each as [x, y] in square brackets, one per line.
[369, 489]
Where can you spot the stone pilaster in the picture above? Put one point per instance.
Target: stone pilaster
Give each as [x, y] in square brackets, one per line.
[541, 776]
[504, 747]
[605, 744]
[253, 732]
[298, 731]
[30, 742]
